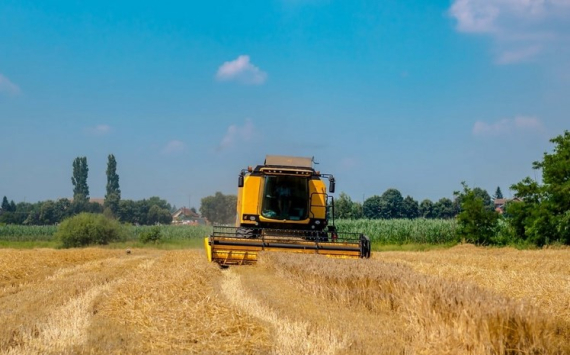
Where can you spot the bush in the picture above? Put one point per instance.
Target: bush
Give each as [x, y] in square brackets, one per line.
[153, 235]
[477, 222]
[88, 229]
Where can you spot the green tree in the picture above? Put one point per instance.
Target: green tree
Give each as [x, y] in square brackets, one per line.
[479, 193]
[344, 207]
[220, 208]
[371, 208]
[62, 209]
[79, 181]
[33, 217]
[391, 204]
[5, 204]
[48, 213]
[556, 174]
[410, 208]
[426, 208]
[484, 195]
[7, 213]
[477, 224]
[126, 211]
[155, 200]
[443, 209]
[498, 193]
[543, 215]
[157, 215]
[357, 210]
[21, 212]
[113, 195]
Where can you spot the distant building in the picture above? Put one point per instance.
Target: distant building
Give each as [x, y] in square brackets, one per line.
[501, 203]
[188, 217]
[98, 200]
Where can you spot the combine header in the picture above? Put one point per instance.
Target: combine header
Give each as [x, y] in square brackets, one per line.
[283, 206]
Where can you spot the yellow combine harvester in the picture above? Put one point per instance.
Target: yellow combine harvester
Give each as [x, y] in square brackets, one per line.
[283, 205]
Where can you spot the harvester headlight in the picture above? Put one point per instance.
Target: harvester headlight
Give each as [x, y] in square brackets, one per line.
[317, 222]
[252, 218]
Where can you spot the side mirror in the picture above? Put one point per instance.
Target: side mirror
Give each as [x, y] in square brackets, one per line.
[240, 180]
[331, 185]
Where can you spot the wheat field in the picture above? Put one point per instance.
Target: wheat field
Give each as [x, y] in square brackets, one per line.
[463, 300]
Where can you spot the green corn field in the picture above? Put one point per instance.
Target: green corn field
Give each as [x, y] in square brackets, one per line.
[395, 231]
[170, 232]
[403, 231]
[18, 233]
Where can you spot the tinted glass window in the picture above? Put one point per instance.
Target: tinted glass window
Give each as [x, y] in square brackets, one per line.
[285, 197]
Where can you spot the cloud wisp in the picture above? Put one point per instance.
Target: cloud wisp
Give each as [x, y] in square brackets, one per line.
[242, 71]
[99, 130]
[236, 134]
[7, 87]
[520, 29]
[174, 147]
[507, 126]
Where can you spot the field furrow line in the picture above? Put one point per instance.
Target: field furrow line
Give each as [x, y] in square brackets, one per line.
[65, 328]
[292, 337]
[67, 298]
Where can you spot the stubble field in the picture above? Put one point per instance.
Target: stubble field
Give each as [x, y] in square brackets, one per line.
[463, 300]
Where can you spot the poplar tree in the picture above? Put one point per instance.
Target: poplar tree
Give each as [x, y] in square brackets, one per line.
[79, 181]
[113, 195]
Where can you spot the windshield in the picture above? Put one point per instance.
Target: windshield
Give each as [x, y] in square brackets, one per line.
[285, 197]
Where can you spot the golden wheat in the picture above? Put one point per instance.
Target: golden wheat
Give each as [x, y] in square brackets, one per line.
[444, 317]
[146, 302]
[464, 300]
[540, 277]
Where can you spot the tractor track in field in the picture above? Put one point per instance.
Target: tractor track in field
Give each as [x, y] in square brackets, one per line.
[291, 336]
[303, 323]
[64, 313]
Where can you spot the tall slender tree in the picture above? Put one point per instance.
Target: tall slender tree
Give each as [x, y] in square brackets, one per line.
[5, 204]
[113, 195]
[79, 181]
[498, 193]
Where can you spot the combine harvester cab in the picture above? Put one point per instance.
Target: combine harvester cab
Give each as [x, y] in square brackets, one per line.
[283, 206]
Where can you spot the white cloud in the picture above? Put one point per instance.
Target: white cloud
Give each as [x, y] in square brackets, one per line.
[521, 29]
[518, 55]
[528, 123]
[8, 87]
[507, 126]
[99, 130]
[236, 134]
[241, 70]
[173, 147]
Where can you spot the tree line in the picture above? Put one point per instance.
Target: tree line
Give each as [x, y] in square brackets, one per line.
[145, 212]
[392, 205]
[539, 214]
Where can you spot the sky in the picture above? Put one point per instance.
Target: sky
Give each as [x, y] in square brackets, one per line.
[413, 95]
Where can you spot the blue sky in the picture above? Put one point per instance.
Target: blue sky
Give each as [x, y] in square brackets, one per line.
[412, 95]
